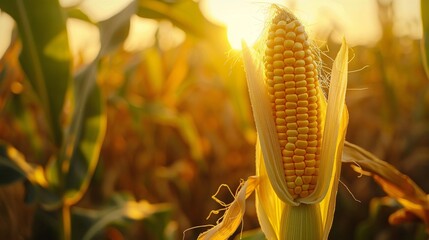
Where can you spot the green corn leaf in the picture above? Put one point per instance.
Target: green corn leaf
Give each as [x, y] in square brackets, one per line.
[45, 56]
[86, 133]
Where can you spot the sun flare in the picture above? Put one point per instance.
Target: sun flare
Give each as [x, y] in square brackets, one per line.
[243, 19]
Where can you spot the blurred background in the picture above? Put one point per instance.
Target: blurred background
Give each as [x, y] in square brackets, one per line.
[179, 122]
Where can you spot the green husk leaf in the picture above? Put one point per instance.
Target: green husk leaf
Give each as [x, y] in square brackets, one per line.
[45, 57]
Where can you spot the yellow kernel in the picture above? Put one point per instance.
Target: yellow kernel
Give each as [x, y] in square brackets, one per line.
[277, 80]
[283, 142]
[312, 99]
[298, 181]
[289, 166]
[302, 96]
[302, 136]
[297, 190]
[300, 165]
[302, 123]
[299, 152]
[299, 172]
[288, 44]
[290, 178]
[302, 116]
[279, 87]
[292, 133]
[278, 40]
[278, 72]
[288, 54]
[310, 80]
[291, 126]
[300, 29]
[312, 137]
[290, 147]
[290, 112]
[281, 23]
[290, 84]
[304, 193]
[301, 110]
[290, 119]
[297, 46]
[300, 83]
[292, 98]
[280, 94]
[312, 106]
[292, 139]
[280, 101]
[287, 159]
[312, 131]
[288, 77]
[306, 180]
[302, 130]
[310, 74]
[300, 55]
[288, 70]
[280, 121]
[278, 64]
[312, 143]
[300, 70]
[277, 56]
[289, 61]
[290, 35]
[290, 91]
[280, 114]
[297, 158]
[287, 153]
[292, 193]
[278, 49]
[291, 105]
[312, 92]
[301, 144]
[309, 67]
[309, 156]
[312, 118]
[290, 184]
[299, 63]
[302, 103]
[311, 149]
[301, 37]
[301, 90]
[309, 171]
[308, 59]
[290, 26]
[280, 32]
[282, 136]
[312, 113]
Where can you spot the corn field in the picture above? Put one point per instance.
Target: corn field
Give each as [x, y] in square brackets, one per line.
[148, 122]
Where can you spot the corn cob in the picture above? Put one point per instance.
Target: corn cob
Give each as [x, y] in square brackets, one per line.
[291, 78]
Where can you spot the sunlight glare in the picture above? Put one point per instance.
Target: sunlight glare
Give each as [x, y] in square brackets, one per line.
[243, 19]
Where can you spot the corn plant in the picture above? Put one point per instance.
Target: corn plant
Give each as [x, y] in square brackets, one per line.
[73, 110]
